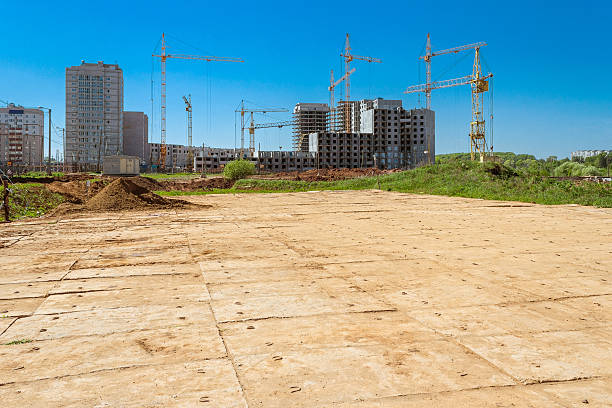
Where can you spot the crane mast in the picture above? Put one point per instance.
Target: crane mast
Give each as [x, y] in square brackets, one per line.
[163, 56]
[189, 111]
[348, 58]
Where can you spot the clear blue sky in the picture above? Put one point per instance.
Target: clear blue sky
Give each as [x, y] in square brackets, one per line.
[551, 60]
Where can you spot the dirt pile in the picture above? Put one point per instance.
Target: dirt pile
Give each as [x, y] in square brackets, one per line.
[125, 194]
[326, 174]
[76, 192]
[146, 182]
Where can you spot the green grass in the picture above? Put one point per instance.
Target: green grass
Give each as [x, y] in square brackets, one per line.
[457, 178]
[41, 174]
[28, 200]
[22, 341]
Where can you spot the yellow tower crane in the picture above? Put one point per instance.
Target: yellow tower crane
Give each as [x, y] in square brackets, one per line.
[348, 58]
[479, 84]
[163, 56]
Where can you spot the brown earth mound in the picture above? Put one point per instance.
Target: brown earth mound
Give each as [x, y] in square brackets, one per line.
[76, 191]
[146, 182]
[124, 194]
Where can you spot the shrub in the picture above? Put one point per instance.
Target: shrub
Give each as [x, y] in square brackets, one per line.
[238, 169]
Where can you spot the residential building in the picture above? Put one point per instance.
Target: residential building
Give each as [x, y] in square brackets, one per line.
[94, 112]
[389, 137]
[309, 118]
[176, 155]
[583, 154]
[21, 135]
[136, 135]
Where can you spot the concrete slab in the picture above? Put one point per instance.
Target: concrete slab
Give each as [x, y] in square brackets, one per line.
[194, 384]
[71, 356]
[329, 299]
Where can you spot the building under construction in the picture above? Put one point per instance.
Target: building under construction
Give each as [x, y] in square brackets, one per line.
[309, 118]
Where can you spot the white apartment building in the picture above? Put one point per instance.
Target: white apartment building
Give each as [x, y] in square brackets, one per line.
[21, 135]
[94, 112]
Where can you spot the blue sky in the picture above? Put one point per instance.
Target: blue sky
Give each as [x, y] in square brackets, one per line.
[551, 62]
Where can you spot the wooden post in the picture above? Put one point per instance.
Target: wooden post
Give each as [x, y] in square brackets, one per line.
[6, 200]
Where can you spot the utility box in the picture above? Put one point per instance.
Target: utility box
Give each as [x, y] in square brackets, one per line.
[121, 166]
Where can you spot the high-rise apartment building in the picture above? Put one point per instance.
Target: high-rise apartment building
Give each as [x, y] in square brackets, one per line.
[136, 135]
[21, 135]
[94, 112]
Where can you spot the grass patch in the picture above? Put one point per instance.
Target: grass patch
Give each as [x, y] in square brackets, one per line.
[490, 181]
[22, 341]
[41, 174]
[28, 200]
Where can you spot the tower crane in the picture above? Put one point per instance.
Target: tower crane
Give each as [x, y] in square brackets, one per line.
[348, 58]
[189, 110]
[163, 57]
[479, 84]
[252, 127]
[331, 87]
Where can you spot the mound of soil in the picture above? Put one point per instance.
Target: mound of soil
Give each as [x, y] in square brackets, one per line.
[124, 194]
[146, 182]
[76, 192]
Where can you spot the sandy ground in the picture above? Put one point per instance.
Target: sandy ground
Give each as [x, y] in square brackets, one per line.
[327, 299]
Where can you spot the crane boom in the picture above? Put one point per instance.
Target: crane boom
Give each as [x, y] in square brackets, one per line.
[273, 124]
[456, 50]
[163, 56]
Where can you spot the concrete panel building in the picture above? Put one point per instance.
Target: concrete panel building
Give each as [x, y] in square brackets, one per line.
[309, 118]
[176, 155]
[94, 112]
[389, 137]
[21, 135]
[136, 135]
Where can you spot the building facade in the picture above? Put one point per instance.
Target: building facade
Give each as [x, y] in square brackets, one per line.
[94, 112]
[136, 135]
[21, 136]
[309, 118]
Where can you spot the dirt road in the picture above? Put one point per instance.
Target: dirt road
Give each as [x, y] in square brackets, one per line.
[320, 299]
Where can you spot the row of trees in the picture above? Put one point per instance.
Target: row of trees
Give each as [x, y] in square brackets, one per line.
[551, 166]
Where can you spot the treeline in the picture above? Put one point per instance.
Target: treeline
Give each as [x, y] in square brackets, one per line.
[553, 167]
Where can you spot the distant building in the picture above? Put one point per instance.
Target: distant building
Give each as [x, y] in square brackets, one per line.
[583, 154]
[21, 135]
[309, 118]
[176, 155]
[136, 135]
[94, 112]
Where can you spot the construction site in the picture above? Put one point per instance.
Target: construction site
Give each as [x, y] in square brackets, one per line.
[328, 277]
